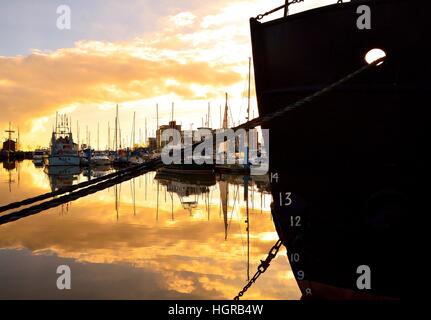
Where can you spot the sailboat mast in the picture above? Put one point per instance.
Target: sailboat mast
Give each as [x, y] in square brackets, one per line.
[116, 129]
[248, 111]
[119, 130]
[98, 141]
[221, 121]
[109, 137]
[132, 138]
[249, 88]
[225, 118]
[209, 115]
[172, 114]
[145, 141]
[157, 124]
[77, 133]
[56, 121]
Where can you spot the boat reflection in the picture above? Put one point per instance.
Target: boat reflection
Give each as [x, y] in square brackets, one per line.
[200, 247]
[189, 188]
[62, 176]
[92, 172]
[10, 166]
[39, 164]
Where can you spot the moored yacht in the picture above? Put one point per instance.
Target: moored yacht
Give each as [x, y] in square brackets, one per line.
[100, 159]
[63, 151]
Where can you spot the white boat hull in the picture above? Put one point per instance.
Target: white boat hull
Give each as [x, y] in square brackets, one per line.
[136, 160]
[63, 160]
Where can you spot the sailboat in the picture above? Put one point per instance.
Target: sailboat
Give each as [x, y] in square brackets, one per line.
[236, 168]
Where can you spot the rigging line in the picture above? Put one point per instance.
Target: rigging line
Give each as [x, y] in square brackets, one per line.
[243, 95]
[310, 98]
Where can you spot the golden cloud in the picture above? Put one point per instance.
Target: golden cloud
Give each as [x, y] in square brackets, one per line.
[38, 84]
[196, 56]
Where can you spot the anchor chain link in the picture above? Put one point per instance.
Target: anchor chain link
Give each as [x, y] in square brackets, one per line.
[285, 6]
[264, 265]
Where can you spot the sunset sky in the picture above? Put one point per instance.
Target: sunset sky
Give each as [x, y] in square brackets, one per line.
[135, 53]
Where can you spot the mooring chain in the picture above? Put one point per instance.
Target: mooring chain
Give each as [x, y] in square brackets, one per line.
[264, 119]
[76, 195]
[288, 3]
[64, 190]
[263, 266]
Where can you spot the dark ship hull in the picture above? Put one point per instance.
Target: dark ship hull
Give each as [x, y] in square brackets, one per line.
[351, 158]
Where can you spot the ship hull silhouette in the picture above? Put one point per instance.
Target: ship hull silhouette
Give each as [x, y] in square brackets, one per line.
[349, 161]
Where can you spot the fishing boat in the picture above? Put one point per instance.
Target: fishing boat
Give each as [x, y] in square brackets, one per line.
[344, 166]
[63, 151]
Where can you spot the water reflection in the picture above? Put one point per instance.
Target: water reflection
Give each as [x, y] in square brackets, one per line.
[9, 166]
[97, 171]
[61, 176]
[153, 237]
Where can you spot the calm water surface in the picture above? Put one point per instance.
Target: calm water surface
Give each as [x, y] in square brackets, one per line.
[144, 239]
